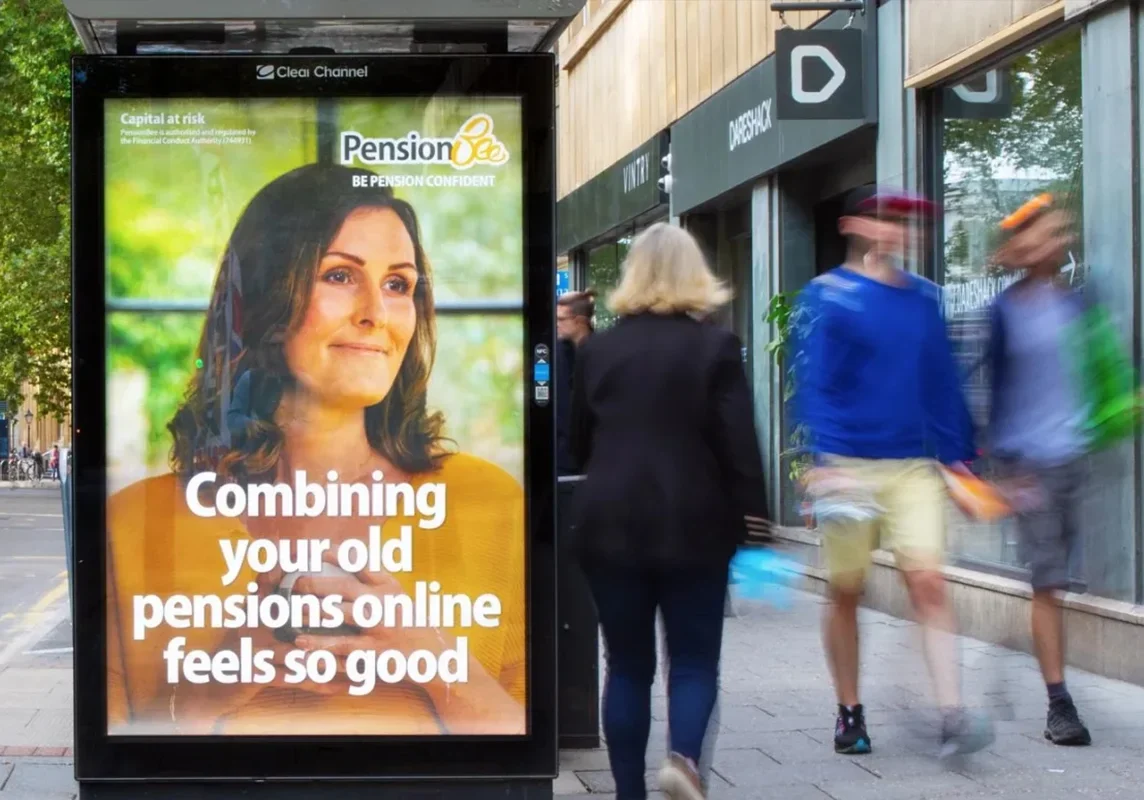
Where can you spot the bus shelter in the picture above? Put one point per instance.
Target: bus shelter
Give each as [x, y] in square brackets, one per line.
[313, 490]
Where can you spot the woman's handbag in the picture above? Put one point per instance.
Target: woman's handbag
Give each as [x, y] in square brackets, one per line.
[761, 575]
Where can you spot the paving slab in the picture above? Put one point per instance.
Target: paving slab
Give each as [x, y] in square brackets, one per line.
[40, 780]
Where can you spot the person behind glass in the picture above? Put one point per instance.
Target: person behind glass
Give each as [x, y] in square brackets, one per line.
[662, 421]
[574, 312]
[1036, 431]
[879, 396]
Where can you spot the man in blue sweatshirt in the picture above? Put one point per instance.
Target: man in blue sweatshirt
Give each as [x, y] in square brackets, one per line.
[880, 402]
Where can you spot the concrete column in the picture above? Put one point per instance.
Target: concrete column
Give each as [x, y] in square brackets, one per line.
[897, 147]
[896, 117]
[1111, 218]
[767, 386]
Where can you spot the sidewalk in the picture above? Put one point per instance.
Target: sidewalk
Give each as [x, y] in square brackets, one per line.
[776, 721]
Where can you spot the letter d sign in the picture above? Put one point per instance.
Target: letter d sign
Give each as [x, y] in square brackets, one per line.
[798, 91]
[820, 74]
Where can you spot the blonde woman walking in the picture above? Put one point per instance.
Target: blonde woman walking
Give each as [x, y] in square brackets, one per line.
[662, 423]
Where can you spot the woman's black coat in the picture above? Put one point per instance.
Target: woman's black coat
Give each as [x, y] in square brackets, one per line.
[664, 429]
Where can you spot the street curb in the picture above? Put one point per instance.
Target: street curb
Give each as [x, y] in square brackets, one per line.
[41, 752]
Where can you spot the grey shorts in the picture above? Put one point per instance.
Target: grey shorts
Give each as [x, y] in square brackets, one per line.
[1049, 535]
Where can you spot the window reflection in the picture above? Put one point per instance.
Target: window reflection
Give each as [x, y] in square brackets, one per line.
[1007, 133]
[603, 273]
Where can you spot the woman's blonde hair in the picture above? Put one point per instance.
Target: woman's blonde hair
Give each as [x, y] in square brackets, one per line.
[665, 272]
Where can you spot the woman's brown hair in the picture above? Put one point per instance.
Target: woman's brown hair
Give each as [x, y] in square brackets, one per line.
[260, 297]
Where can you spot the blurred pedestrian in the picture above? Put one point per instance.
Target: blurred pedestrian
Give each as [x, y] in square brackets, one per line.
[574, 314]
[1036, 429]
[880, 400]
[662, 421]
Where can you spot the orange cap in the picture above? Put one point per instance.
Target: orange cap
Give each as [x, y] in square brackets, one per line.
[1026, 212]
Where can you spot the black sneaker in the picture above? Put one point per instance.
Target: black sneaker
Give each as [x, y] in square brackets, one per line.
[1064, 726]
[963, 732]
[850, 735]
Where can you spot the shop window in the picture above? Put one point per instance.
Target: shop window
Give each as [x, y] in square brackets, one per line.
[603, 273]
[1006, 134]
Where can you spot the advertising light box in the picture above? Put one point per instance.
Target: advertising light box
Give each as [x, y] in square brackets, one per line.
[313, 486]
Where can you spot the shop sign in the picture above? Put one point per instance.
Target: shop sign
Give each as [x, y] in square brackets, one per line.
[820, 74]
[988, 95]
[751, 123]
[736, 135]
[617, 195]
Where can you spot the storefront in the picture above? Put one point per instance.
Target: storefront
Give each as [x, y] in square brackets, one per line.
[597, 222]
[1055, 112]
[762, 194]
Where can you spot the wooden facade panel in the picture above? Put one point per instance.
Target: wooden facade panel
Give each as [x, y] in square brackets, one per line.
[691, 42]
[670, 85]
[655, 60]
[743, 36]
[938, 31]
[653, 70]
[1023, 8]
[679, 25]
[716, 41]
[730, 40]
[704, 38]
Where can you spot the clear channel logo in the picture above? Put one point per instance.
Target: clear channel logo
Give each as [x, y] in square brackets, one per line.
[268, 72]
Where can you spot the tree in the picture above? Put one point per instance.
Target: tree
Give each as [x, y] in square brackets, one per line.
[35, 283]
[957, 246]
[1040, 135]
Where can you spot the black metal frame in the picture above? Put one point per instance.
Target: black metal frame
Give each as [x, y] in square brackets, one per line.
[102, 758]
[489, 38]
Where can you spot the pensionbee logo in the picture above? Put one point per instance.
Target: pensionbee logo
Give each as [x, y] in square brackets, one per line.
[474, 143]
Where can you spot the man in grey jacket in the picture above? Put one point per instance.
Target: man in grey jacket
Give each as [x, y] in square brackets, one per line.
[1036, 429]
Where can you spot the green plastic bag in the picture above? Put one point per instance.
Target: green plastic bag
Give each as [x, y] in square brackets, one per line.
[1108, 378]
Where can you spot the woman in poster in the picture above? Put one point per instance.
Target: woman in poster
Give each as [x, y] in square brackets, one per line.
[315, 356]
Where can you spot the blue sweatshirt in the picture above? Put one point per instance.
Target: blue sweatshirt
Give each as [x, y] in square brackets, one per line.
[874, 371]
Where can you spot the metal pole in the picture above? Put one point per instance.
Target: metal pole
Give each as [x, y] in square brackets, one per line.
[826, 5]
[69, 531]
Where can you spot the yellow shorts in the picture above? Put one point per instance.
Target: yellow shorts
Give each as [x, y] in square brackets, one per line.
[913, 495]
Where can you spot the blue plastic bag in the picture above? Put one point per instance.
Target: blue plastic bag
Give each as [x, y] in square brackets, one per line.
[762, 575]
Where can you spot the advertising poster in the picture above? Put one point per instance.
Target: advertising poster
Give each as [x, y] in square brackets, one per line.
[315, 432]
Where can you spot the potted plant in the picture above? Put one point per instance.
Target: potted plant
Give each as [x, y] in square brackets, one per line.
[780, 312]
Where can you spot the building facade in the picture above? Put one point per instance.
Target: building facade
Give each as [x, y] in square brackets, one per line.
[28, 425]
[977, 103]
